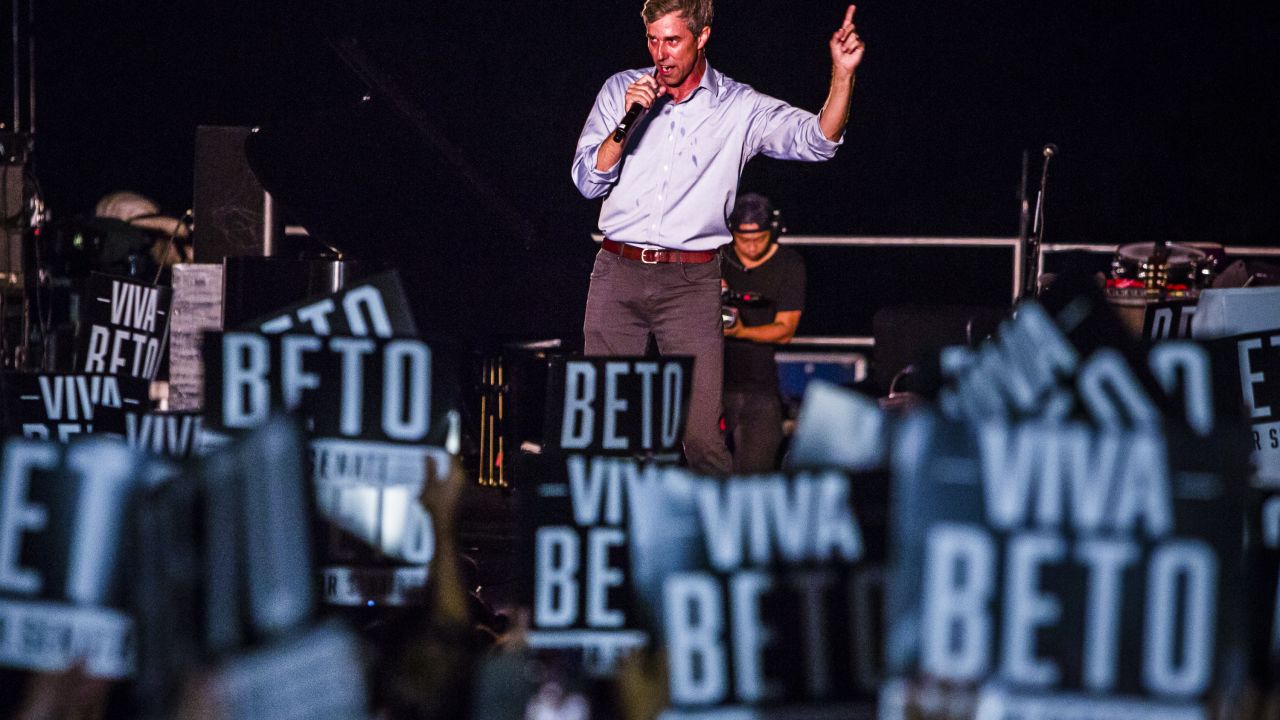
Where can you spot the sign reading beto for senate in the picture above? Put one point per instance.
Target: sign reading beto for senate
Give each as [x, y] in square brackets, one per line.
[1250, 374]
[602, 414]
[758, 587]
[376, 409]
[127, 325]
[63, 533]
[1053, 569]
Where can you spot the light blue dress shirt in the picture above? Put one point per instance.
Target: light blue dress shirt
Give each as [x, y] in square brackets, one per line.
[677, 182]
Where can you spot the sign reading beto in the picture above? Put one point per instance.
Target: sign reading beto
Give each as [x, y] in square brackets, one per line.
[60, 406]
[756, 586]
[375, 307]
[376, 410]
[1045, 569]
[127, 325]
[618, 405]
[63, 520]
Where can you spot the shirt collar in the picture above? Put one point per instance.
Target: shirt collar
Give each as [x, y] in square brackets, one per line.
[713, 81]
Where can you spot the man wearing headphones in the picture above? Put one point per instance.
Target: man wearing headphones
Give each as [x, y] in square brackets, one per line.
[765, 282]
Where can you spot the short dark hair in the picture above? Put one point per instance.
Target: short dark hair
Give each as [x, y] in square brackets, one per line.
[697, 13]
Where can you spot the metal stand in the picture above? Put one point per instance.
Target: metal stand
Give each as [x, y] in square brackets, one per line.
[1033, 239]
[21, 205]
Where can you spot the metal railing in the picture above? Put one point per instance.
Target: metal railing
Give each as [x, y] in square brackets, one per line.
[867, 342]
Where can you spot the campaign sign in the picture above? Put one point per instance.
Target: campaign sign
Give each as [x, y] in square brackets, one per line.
[574, 513]
[618, 406]
[63, 531]
[375, 307]
[1263, 558]
[60, 406]
[760, 592]
[377, 411]
[125, 327]
[1168, 320]
[1031, 370]
[223, 560]
[1250, 374]
[306, 677]
[609, 423]
[170, 434]
[1056, 570]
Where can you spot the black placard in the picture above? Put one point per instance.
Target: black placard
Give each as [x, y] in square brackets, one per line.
[376, 410]
[171, 434]
[610, 424]
[223, 561]
[384, 390]
[1168, 320]
[60, 406]
[574, 513]
[125, 327]
[1249, 374]
[765, 593]
[374, 307]
[1263, 563]
[1057, 570]
[617, 405]
[63, 535]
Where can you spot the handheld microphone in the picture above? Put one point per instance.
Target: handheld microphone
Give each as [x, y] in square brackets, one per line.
[633, 113]
[620, 133]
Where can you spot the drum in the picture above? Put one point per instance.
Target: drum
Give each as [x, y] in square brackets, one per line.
[1147, 273]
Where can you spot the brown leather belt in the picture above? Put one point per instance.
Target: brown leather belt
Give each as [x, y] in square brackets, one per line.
[652, 257]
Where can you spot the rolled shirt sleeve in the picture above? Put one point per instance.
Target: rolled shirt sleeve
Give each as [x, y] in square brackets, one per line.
[602, 120]
[784, 132]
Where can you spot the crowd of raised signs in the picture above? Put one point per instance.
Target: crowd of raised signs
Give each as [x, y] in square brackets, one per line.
[1071, 523]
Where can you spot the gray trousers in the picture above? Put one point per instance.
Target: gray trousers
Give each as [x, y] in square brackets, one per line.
[680, 305]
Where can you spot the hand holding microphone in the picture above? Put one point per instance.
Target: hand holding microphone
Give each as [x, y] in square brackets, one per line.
[640, 96]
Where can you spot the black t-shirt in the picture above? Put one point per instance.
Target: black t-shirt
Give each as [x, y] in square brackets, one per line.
[780, 284]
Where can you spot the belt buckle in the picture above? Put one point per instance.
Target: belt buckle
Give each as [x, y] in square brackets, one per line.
[644, 258]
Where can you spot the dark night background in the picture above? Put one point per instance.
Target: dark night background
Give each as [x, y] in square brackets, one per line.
[1164, 113]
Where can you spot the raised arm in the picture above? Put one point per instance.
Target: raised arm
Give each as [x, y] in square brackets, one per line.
[846, 54]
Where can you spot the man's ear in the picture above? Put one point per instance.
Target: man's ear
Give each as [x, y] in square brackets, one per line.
[703, 37]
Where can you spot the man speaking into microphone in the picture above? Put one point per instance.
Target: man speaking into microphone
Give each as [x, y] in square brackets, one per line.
[665, 146]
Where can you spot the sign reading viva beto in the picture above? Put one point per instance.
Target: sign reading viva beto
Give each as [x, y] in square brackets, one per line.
[602, 415]
[60, 406]
[127, 325]
[63, 530]
[1045, 569]
[759, 586]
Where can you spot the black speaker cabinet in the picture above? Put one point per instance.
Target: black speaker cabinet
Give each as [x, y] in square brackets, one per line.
[234, 216]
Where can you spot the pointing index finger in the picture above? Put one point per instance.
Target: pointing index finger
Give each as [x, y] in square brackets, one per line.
[848, 14]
